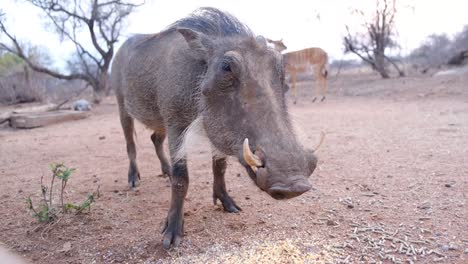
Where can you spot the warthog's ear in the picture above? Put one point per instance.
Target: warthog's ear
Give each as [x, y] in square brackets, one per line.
[262, 41]
[197, 41]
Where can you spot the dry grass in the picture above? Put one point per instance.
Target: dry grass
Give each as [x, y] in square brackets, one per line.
[283, 251]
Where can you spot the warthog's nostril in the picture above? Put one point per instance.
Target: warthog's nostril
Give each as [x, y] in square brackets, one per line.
[287, 192]
[302, 187]
[278, 195]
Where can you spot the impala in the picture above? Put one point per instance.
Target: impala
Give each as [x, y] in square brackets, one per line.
[300, 61]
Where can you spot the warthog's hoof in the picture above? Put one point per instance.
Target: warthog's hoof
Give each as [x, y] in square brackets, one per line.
[323, 98]
[173, 231]
[133, 177]
[228, 203]
[166, 171]
[231, 207]
[133, 184]
[315, 99]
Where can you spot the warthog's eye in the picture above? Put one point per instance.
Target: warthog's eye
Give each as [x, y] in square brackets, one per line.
[230, 64]
[228, 73]
[226, 66]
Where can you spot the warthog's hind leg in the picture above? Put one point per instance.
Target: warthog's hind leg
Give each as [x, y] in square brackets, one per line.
[128, 128]
[158, 140]
[219, 186]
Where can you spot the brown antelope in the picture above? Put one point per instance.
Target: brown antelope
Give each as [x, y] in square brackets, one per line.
[299, 61]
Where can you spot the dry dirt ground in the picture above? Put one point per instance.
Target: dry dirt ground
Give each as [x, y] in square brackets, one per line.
[391, 186]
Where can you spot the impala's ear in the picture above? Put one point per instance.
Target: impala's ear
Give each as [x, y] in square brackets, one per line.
[198, 42]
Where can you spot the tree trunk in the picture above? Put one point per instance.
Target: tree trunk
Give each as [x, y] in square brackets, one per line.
[383, 73]
[98, 93]
[97, 97]
[380, 64]
[100, 87]
[108, 88]
[27, 77]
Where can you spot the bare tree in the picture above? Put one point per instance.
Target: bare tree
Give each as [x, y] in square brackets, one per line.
[433, 52]
[102, 20]
[379, 34]
[460, 46]
[460, 43]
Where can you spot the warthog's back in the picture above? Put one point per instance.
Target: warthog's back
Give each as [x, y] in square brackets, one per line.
[151, 74]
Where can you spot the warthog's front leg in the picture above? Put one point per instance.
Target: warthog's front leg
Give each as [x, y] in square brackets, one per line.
[219, 186]
[173, 230]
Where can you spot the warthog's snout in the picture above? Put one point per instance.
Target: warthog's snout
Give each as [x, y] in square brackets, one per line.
[287, 191]
[279, 184]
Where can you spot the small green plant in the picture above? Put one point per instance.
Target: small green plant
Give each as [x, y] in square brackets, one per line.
[86, 204]
[46, 210]
[41, 213]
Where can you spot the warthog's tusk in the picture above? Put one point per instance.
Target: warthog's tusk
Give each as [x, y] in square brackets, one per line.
[322, 138]
[252, 160]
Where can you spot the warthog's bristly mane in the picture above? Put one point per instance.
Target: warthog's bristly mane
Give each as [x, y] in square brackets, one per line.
[193, 139]
[213, 22]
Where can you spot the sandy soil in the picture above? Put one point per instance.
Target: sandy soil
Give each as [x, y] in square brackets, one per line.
[391, 186]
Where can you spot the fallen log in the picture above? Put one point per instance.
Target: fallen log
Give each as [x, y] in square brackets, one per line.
[39, 119]
[4, 117]
[34, 109]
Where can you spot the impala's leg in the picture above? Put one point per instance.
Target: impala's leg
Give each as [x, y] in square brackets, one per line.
[318, 78]
[324, 82]
[127, 125]
[219, 186]
[173, 229]
[293, 80]
[158, 139]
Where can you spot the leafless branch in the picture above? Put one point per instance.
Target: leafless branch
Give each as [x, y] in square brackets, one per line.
[379, 35]
[401, 73]
[20, 53]
[103, 20]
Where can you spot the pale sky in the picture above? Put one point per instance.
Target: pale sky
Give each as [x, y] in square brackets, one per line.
[294, 21]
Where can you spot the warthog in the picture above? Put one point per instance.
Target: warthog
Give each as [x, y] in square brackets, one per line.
[210, 70]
